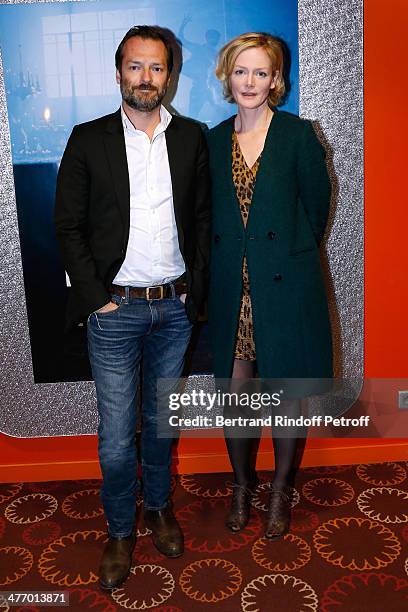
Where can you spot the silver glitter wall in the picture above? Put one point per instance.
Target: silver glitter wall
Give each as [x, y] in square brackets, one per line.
[331, 94]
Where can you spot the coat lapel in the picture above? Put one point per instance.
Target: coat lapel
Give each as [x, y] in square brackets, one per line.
[116, 153]
[270, 156]
[267, 167]
[175, 155]
[232, 192]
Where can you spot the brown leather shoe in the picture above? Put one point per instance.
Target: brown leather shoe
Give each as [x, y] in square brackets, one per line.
[116, 561]
[166, 533]
[278, 518]
[238, 515]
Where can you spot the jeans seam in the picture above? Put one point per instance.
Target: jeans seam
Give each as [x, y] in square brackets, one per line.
[97, 320]
[151, 319]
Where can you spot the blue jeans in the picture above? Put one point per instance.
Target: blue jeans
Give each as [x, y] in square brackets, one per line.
[156, 333]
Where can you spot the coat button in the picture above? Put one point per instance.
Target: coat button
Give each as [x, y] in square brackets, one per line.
[278, 277]
[271, 235]
[217, 238]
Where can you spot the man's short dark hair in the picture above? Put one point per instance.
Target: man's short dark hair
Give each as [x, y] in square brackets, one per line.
[144, 32]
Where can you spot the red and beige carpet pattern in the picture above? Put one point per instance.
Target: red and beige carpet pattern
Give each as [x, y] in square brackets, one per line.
[347, 549]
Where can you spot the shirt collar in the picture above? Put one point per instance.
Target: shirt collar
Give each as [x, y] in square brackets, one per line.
[165, 118]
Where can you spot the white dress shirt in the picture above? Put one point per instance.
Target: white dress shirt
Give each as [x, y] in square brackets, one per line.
[153, 254]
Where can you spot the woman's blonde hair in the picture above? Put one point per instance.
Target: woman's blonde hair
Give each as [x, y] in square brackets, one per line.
[229, 53]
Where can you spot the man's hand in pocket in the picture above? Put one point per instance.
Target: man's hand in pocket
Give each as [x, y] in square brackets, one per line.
[108, 307]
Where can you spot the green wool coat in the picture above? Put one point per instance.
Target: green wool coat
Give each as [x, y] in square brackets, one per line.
[286, 223]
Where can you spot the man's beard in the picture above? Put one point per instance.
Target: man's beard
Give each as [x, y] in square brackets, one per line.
[141, 100]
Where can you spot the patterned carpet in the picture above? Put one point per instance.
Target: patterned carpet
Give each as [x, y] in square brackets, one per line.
[347, 549]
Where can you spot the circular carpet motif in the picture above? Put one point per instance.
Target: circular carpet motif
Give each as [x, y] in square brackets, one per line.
[225, 579]
[15, 562]
[381, 474]
[85, 504]
[337, 541]
[57, 563]
[328, 492]
[304, 520]
[40, 534]
[384, 504]
[147, 586]
[285, 555]
[352, 592]
[260, 592]
[31, 508]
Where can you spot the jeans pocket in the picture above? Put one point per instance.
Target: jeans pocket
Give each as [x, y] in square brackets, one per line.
[179, 302]
[117, 300]
[108, 313]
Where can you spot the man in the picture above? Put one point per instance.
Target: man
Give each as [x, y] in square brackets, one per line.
[132, 219]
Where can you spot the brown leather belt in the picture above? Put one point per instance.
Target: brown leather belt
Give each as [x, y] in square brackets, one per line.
[150, 293]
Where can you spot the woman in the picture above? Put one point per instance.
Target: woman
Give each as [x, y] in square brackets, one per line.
[267, 307]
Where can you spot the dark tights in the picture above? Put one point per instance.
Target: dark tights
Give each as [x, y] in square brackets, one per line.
[241, 450]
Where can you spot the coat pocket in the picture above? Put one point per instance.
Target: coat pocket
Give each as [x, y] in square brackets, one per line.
[302, 250]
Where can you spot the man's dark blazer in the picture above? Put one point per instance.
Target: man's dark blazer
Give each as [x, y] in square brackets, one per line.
[93, 209]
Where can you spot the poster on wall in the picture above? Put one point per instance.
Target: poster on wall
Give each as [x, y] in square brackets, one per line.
[58, 66]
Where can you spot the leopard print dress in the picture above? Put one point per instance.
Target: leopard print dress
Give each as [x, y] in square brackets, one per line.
[244, 181]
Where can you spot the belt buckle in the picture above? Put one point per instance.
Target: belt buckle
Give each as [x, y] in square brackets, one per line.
[157, 287]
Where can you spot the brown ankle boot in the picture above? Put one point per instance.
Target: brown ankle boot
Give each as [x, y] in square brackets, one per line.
[116, 561]
[166, 533]
[278, 518]
[238, 514]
